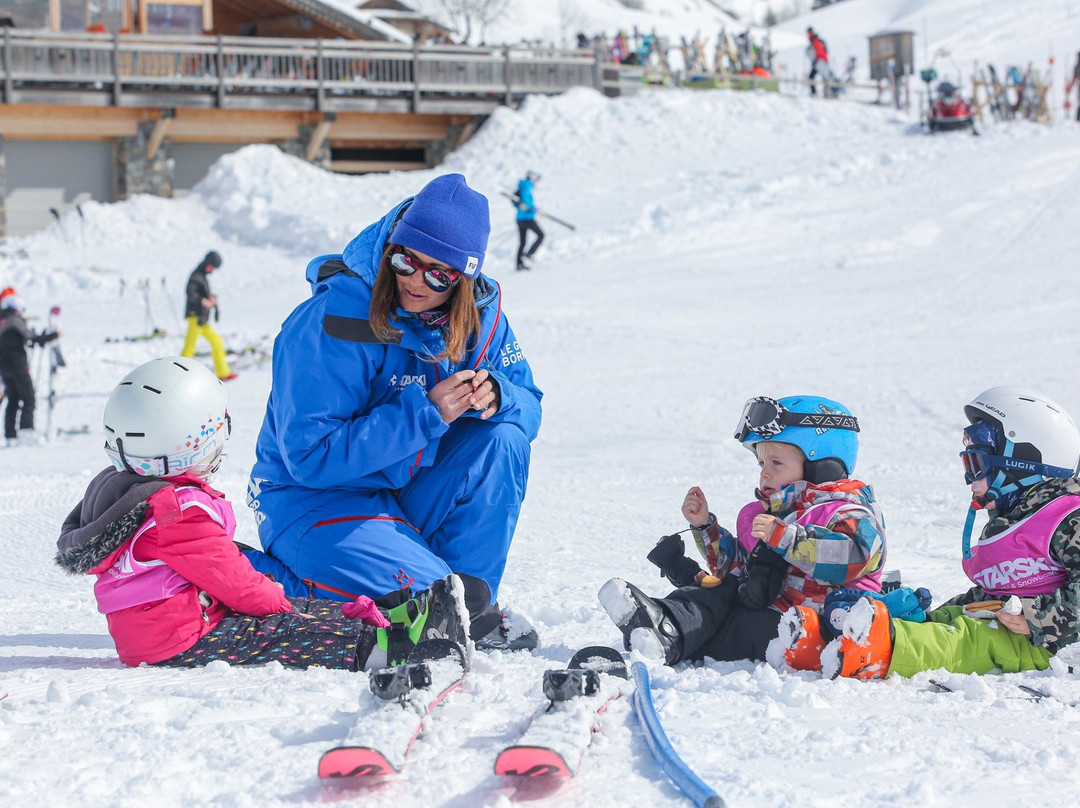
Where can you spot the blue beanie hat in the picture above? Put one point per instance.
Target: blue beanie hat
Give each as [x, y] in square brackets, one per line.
[448, 221]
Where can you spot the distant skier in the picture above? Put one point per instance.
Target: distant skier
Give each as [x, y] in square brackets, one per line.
[175, 589]
[526, 219]
[15, 369]
[819, 58]
[200, 302]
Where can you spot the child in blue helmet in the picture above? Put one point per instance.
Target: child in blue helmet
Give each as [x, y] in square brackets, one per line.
[811, 528]
[1021, 452]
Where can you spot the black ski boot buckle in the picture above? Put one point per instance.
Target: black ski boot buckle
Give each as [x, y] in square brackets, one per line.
[568, 684]
[395, 683]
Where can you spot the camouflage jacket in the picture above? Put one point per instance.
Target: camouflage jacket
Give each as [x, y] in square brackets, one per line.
[1054, 617]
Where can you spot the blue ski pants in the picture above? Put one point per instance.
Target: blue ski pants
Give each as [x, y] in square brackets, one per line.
[456, 515]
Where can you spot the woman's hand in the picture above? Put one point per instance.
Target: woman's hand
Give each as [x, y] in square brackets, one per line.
[454, 394]
[695, 508]
[485, 397]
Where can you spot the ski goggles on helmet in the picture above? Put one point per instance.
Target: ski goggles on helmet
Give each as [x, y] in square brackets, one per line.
[436, 278]
[202, 457]
[766, 417]
[983, 455]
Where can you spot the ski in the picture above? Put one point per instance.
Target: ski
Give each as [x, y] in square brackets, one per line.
[554, 743]
[56, 361]
[1032, 693]
[401, 697]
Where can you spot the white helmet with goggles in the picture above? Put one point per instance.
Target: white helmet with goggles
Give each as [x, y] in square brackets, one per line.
[825, 431]
[167, 417]
[1017, 438]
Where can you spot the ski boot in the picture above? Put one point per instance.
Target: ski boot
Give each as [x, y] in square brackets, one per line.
[511, 631]
[436, 613]
[800, 630]
[645, 626]
[864, 650]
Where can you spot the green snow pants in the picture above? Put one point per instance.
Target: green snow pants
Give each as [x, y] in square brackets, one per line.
[961, 644]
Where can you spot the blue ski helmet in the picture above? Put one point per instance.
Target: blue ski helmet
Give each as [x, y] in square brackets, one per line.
[824, 430]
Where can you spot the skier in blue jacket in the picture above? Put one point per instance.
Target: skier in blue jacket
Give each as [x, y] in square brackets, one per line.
[526, 218]
[395, 447]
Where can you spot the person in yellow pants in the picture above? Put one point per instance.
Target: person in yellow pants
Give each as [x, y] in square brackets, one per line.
[200, 302]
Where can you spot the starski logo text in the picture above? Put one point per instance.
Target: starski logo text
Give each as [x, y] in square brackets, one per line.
[401, 382]
[1025, 570]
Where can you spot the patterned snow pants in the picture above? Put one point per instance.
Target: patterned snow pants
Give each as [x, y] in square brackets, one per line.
[314, 634]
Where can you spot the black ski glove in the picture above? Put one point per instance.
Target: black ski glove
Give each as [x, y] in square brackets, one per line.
[763, 577]
[669, 555]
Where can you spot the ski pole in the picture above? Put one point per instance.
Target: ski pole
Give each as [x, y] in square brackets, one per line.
[64, 234]
[516, 200]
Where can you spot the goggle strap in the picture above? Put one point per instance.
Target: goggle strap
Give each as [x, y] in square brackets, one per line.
[819, 420]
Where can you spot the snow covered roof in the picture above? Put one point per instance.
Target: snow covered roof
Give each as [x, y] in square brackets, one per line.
[345, 15]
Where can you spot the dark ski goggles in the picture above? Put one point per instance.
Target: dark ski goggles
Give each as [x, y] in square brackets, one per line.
[983, 455]
[766, 417]
[978, 463]
[436, 278]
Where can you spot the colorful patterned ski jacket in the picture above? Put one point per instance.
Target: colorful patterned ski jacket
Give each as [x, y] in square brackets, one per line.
[1053, 617]
[168, 570]
[349, 412]
[832, 535]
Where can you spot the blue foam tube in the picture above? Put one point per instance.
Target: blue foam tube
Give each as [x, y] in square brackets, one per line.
[699, 792]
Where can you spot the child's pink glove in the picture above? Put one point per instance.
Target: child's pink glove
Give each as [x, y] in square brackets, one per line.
[365, 610]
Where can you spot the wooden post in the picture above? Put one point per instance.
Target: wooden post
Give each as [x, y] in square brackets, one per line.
[320, 92]
[220, 56]
[116, 68]
[161, 128]
[319, 135]
[416, 75]
[9, 82]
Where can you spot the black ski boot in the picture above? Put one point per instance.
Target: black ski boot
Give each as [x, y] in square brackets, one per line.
[436, 613]
[645, 626]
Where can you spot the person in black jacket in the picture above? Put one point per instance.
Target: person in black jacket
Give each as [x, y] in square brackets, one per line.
[199, 304]
[15, 368]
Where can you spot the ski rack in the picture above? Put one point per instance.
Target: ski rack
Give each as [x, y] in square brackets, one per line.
[684, 778]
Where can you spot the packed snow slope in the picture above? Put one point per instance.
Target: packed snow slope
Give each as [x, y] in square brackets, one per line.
[727, 245]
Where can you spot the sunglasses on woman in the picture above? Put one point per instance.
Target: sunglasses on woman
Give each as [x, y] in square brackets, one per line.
[436, 278]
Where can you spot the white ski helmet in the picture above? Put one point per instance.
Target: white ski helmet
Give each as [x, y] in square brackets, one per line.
[1035, 439]
[167, 417]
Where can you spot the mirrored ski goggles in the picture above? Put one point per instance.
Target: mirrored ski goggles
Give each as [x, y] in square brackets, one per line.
[766, 417]
[978, 463]
[436, 278]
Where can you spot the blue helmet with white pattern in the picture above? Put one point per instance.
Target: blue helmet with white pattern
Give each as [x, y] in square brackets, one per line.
[824, 430]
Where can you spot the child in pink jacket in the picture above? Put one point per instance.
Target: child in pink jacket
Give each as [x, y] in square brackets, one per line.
[171, 583]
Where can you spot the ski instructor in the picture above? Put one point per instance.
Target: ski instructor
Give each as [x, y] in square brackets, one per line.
[395, 447]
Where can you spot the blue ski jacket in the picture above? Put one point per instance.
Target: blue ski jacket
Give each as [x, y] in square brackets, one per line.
[348, 412]
[525, 194]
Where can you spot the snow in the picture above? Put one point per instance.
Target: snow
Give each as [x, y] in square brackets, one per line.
[727, 245]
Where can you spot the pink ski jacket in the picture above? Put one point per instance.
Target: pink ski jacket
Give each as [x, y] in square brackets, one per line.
[167, 568]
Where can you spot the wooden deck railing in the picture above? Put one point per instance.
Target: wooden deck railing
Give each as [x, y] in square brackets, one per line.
[245, 72]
